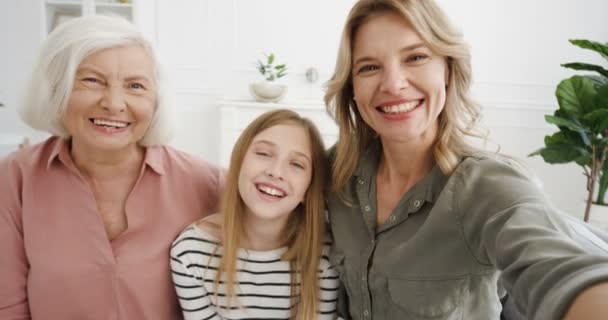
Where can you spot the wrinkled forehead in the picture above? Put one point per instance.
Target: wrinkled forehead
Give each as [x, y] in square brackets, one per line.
[125, 59]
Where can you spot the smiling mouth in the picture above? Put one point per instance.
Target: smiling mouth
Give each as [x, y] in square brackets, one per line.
[109, 123]
[273, 192]
[400, 108]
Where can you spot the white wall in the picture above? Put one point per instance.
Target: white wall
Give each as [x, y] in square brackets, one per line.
[20, 33]
[210, 46]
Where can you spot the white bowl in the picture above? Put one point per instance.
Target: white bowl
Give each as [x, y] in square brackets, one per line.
[268, 91]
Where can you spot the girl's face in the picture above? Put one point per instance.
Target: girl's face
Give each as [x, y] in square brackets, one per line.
[399, 83]
[276, 172]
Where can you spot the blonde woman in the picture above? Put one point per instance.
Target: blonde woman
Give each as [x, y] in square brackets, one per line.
[424, 224]
[262, 256]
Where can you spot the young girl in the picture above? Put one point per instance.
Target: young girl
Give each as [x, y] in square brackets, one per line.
[262, 256]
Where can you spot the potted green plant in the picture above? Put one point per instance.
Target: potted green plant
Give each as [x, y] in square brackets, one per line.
[582, 120]
[268, 90]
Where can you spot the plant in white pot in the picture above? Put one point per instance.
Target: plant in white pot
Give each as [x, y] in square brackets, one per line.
[268, 90]
[582, 120]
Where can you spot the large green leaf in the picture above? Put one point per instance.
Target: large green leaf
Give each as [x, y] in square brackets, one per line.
[596, 115]
[586, 67]
[598, 47]
[575, 95]
[556, 138]
[584, 161]
[563, 122]
[576, 127]
[603, 126]
[598, 80]
[560, 153]
[601, 99]
[564, 137]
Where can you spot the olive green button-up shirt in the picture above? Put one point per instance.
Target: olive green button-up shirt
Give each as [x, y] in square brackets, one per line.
[442, 251]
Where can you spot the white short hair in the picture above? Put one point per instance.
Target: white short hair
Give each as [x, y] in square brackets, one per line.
[52, 79]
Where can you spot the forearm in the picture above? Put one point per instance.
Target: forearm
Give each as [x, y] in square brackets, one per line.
[590, 304]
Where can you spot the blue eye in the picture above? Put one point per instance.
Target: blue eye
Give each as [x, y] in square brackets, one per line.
[416, 58]
[137, 86]
[367, 68]
[89, 79]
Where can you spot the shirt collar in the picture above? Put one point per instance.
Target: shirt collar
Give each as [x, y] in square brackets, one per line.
[437, 181]
[429, 187]
[155, 159]
[368, 162]
[60, 151]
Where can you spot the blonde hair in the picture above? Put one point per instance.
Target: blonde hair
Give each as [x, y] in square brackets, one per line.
[52, 79]
[457, 121]
[303, 234]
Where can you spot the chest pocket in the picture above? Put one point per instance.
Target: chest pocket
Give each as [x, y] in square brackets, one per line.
[426, 299]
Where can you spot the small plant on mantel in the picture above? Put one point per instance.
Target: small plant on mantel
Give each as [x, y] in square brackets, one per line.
[582, 120]
[269, 70]
[268, 90]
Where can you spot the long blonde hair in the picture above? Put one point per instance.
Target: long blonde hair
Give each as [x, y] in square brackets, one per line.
[457, 121]
[303, 234]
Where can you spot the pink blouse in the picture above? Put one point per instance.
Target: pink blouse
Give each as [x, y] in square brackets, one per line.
[57, 262]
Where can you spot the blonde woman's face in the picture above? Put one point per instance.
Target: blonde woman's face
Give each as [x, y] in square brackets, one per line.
[113, 100]
[276, 172]
[399, 83]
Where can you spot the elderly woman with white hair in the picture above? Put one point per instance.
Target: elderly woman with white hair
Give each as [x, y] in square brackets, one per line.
[87, 216]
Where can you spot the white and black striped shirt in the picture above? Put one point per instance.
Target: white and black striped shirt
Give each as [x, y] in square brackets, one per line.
[263, 288]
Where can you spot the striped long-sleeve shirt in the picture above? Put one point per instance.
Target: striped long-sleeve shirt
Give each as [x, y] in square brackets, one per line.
[263, 288]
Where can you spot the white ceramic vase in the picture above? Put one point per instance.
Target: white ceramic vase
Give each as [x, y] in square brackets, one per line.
[268, 91]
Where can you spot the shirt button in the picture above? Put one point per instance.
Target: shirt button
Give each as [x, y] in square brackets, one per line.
[366, 313]
[417, 203]
[361, 181]
[367, 208]
[391, 219]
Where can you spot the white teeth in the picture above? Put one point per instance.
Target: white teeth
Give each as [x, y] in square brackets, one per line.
[109, 123]
[271, 191]
[404, 107]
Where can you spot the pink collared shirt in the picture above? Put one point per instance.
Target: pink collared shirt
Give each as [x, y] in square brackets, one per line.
[57, 262]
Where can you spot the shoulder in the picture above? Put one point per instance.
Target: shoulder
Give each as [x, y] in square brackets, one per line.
[492, 166]
[496, 177]
[32, 155]
[194, 238]
[182, 160]
[486, 162]
[24, 162]
[182, 163]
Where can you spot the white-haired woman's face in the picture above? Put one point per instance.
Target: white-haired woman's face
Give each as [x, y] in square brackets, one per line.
[113, 100]
[399, 83]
